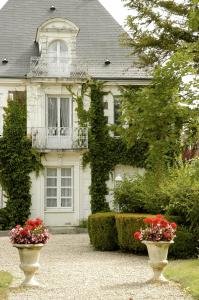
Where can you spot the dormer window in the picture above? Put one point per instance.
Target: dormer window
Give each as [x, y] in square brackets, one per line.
[56, 39]
[58, 58]
[58, 51]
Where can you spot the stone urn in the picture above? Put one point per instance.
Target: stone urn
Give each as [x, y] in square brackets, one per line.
[29, 257]
[158, 252]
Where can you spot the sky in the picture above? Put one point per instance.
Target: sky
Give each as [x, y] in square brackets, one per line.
[115, 7]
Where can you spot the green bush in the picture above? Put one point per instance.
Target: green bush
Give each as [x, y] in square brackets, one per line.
[141, 195]
[128, 196]
[185, 244]
[102, 231]
[126, 225]
[182, 188]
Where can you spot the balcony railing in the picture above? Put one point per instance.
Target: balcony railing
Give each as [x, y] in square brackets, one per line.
[60, 138]
[57, 67]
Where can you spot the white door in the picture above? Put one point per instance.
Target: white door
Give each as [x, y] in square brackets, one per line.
[59, 123]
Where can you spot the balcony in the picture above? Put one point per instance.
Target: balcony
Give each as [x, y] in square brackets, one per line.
[60, 138]
[57, 67]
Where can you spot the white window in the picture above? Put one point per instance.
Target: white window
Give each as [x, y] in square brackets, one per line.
[59, 113]
[59, 188]
[58, 59]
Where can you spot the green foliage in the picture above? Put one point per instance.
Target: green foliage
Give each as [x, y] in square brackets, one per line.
[128, 196]
[154, 114]
[159, 28]
[185, 244]
[185, 273]
[105, 151]
[126, 225]
[182, 188]
[98, 149]
[17, 160]
[141, 194]
[108, 231]
[102, 231]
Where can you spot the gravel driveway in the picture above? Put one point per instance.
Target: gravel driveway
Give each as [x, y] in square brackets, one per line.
[70, 269]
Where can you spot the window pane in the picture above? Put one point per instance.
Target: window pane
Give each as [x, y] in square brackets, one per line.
[63, 49]
[52, 172]
[66, 192]
[66, 182]
[64, 112]
[51, 181]
[52, 112]
[66, 202]
[65, 172]
[117, 112]
[51, 203]
[51, 192]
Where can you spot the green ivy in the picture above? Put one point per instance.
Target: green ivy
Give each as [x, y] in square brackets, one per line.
[105, 151]
[17, 160]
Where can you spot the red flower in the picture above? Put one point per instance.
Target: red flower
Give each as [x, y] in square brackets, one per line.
[137, 235]
[155, 221]
[148, 220]
[24, 232]
[38, 222]
[164, 223]
[173, 225]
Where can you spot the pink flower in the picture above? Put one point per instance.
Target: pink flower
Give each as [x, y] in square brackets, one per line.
[34, 232]
[137, 235]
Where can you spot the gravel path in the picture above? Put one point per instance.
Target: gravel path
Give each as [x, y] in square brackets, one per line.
[70, 269]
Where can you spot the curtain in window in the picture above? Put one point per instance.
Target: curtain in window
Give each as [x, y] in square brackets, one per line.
[65, 113]
[52, 116]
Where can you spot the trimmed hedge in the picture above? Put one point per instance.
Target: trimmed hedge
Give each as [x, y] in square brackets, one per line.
[110, 231]
[102, 231]
[126, 225]
[185, 245]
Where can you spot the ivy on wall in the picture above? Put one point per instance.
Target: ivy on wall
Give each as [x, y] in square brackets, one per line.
[104, 151]
[17, 160]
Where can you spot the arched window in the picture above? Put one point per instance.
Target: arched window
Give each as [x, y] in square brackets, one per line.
[58, 57]
[58, 49]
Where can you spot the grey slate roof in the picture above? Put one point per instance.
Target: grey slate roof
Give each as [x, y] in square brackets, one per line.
[97, 40]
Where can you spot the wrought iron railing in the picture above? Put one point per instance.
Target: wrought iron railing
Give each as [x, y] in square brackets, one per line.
[57, 67]
[60, 138]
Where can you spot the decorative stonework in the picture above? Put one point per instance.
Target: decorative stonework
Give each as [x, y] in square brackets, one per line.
[57, 29]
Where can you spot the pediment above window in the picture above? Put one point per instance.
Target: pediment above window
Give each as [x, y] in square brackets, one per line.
[56, 26]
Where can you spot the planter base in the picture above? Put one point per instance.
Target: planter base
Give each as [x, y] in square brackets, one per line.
[158, 252]
[29, 258]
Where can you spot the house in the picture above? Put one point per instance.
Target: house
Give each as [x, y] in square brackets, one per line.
[45, 47]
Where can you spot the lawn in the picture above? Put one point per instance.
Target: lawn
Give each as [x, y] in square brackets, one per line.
[5, 281]
[186, 272]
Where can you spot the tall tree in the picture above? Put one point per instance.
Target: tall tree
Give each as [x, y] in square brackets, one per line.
[158, 28]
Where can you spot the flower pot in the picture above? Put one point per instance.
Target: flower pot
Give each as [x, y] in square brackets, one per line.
[29, 257]
[158, 252]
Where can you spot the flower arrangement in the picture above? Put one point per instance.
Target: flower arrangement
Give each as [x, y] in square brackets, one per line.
[33, 232]
[156, 229]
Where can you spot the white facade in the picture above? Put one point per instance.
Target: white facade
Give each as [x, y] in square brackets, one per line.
[60, 195]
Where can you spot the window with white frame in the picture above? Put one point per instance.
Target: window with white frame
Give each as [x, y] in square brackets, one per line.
[58, 52]
[59, 115]
[58, 58]
[59, 188]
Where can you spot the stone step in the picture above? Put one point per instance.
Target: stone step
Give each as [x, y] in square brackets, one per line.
[67, 230]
